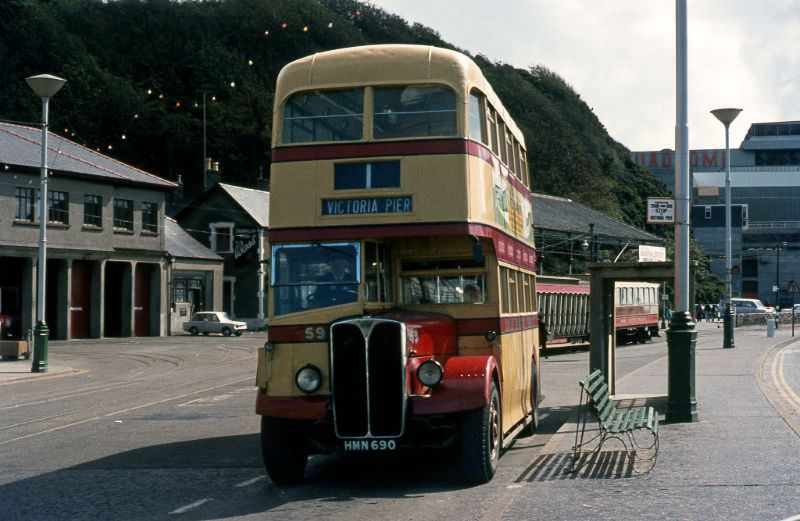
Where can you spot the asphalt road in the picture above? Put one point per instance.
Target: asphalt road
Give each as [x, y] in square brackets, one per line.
[165, 428]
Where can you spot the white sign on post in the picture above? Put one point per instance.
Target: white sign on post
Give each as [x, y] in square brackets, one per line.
[660, 210]
[652, 253]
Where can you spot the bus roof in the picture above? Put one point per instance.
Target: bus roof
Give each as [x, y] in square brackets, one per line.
[388, 64]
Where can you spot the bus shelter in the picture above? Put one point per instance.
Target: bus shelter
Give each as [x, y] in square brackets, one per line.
[602, 337]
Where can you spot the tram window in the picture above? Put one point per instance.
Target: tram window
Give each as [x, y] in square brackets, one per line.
[310, 276]
[324, 116]
[377, 273]
[414, 110]
[477, 118]
[354, 176]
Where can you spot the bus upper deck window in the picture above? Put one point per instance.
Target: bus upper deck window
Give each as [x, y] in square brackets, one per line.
[324, 116]
[477, 118]
[414, 110]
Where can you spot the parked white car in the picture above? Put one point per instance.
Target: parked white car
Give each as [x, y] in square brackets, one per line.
[206, 322]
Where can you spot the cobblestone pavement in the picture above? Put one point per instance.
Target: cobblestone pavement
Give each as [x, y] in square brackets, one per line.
[739, 461]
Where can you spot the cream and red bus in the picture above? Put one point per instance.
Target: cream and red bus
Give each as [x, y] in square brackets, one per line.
[402, 288]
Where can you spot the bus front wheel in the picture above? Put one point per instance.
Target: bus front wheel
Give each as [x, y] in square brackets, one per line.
[283, 449]
[482, 440]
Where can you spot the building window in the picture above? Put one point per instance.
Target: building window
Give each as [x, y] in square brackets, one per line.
[123, 214]
[351, 176]
[57, 207]
[93, 210]
[222, 237]
[150, 217]
[708, 212]
[26, 204]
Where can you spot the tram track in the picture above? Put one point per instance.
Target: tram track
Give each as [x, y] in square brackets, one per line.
[81, 417]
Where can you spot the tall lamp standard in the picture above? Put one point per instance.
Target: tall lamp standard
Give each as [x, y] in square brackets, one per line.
[45, 86]
[726, 117]
[681, 335]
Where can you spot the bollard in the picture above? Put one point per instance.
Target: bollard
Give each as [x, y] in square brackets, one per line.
[770, 327]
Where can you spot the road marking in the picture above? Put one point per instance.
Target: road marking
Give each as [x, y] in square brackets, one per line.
[206, 401]
[251, 481]
[190, 506]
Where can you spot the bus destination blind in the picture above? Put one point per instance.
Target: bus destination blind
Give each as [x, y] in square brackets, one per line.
[367, 205]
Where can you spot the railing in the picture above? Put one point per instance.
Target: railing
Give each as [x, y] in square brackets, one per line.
[782, 225]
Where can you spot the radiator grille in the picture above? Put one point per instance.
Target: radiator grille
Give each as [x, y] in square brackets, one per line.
[368, 376]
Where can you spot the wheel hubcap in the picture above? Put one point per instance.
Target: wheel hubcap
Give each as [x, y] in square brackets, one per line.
[494, 426]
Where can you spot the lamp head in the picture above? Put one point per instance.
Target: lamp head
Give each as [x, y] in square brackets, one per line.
[45, 85]
[726, 116]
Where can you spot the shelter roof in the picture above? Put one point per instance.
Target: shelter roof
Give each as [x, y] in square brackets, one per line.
[557, 214]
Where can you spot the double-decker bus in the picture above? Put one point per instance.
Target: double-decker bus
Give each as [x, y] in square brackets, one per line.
[402, 310]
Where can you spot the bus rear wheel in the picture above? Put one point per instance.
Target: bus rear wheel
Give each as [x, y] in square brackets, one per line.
[482, 440]
[284, 451]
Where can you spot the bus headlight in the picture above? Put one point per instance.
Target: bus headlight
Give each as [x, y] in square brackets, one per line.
[308, 378]
[430, 373]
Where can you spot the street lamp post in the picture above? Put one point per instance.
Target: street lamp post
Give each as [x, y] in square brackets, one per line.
[726, 117]
[45, 86]
[681, 335]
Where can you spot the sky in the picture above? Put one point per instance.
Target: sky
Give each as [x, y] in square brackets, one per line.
[619, 56]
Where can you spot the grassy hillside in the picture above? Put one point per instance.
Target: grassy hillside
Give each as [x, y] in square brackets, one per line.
[137, 72]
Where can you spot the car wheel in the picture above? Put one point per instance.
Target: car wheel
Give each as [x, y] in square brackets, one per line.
[482, 440]
[193, 331]
[238, 333]
[226, 331]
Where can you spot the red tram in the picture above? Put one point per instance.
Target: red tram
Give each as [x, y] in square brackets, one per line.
[565, 303]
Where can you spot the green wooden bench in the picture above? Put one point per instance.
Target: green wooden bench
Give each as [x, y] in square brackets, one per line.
[621, 424]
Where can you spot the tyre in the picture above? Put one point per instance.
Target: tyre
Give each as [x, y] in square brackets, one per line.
[193, 331]
[238, 333]
[284, 451]
[226, 331]
[482, 440]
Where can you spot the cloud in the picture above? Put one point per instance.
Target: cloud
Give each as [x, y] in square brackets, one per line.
[619, 55]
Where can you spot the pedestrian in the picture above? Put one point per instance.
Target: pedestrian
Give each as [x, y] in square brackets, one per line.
[707, 312]
[715, 312]
[543, 334]
[698, 313]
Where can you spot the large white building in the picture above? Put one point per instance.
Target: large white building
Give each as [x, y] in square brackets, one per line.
[765, 190]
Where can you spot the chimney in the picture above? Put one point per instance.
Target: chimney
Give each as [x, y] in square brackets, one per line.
[211, 175]
[262, 183]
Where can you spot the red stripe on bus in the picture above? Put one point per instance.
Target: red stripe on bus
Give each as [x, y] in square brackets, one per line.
[507, 248]
[361, 150]
[298, 333]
